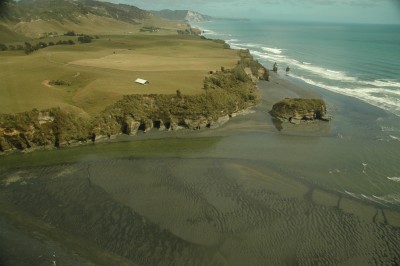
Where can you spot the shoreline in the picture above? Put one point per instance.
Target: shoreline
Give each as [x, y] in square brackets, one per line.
[253, 119]
[278, 88]
[270, 92]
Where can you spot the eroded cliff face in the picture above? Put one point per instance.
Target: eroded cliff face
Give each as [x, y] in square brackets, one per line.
[295, 109]
[46, 128]
[226, 93]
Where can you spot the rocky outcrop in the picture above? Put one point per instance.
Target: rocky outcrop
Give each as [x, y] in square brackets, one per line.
[295, 110]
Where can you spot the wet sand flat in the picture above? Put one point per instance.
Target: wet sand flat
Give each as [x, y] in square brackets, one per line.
[196, 212]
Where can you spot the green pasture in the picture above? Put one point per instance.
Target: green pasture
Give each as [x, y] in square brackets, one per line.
[102, 71]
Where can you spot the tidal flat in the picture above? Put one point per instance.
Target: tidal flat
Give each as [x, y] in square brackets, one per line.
[247, 193]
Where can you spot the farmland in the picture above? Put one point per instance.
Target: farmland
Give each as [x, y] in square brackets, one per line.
[101, 72]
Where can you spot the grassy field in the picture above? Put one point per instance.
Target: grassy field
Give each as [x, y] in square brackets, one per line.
[102, 71]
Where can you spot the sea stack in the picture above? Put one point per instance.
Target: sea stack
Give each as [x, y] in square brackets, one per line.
[294, 110]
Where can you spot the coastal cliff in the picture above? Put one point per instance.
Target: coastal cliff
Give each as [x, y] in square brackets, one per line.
[226, 92]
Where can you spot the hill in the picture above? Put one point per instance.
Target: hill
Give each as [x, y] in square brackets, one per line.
[70, 10]
[8, 35]
[185, 15]
[35, 18]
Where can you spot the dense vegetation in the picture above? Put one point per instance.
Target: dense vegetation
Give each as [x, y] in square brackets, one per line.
[28, 48]
[4, 4]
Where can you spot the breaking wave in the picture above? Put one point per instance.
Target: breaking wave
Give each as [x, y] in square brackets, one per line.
[382, 93]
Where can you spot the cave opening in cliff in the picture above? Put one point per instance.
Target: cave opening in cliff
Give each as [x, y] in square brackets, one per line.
[142, 127]
[157, 124]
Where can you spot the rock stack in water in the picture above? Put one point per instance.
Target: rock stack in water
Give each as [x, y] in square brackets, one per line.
[296, 109]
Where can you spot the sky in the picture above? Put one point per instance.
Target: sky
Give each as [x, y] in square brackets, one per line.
[355, 11]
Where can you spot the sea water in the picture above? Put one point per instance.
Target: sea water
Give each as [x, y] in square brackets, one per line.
[362, 61]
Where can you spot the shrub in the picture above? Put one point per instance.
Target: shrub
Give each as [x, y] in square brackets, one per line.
[85, 39]
[3, 47]
[59, 82]
[70, 33]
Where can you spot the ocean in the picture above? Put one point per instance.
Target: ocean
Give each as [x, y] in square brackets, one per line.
[362, 61]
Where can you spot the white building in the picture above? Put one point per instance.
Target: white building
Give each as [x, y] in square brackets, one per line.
[142, 81]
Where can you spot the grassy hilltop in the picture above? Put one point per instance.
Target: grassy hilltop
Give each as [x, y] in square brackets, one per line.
[100, 72]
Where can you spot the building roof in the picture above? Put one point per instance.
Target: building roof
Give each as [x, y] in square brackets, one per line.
[142, 81]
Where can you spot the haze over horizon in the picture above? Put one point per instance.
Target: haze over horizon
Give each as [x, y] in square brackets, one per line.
[347, 11]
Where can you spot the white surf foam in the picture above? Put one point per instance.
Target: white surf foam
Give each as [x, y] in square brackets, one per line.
[354, 195]
[368, 95]
[272, 50]
[383, 200]
[383, 83]
[243, 45]
[326, 73]
[394, 137]
[393, 178]
[209, 32]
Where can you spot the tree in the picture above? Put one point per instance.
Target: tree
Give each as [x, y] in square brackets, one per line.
[29, 48]
[70, 33]
[3, 47]
[84, 39]
[4, 7]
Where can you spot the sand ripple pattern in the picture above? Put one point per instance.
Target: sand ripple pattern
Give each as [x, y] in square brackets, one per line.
[200, 212]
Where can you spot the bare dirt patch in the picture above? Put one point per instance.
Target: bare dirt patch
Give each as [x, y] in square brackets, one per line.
[46, 83]
[145, 62]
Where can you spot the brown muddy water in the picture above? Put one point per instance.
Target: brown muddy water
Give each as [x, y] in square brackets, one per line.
[245, 194]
